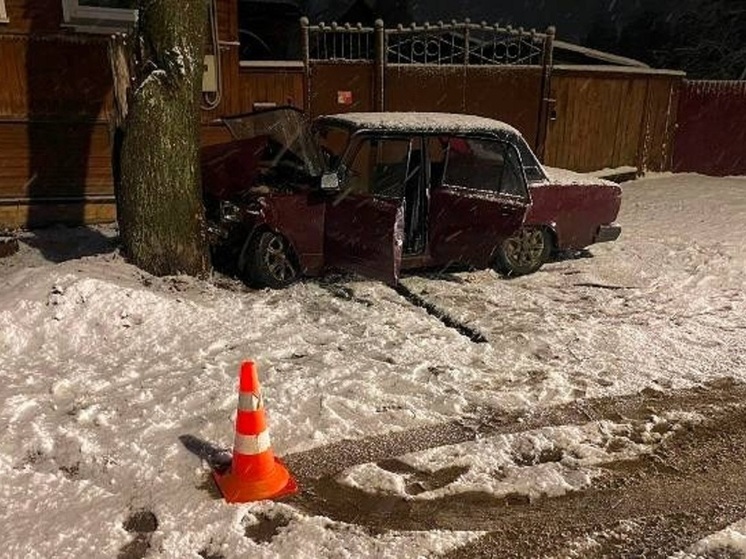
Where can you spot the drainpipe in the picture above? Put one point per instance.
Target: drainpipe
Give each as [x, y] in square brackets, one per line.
[380, 64]
[306, 51]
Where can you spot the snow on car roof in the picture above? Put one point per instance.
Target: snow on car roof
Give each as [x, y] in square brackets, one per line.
[420, 122]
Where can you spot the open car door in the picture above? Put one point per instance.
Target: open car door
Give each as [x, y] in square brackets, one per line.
[364, 229]
[478, 200]
[364, 235]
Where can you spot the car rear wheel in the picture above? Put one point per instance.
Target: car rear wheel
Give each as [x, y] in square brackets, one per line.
[268, 261]
[524, 252]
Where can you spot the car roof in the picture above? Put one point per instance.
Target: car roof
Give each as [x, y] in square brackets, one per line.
[420, 122]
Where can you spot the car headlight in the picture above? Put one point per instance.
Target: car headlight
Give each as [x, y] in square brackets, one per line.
[229, 212]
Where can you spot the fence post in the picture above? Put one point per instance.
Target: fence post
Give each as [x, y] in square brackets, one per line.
[380, 66]
[306, 51]
[546, 93]
[467, 39]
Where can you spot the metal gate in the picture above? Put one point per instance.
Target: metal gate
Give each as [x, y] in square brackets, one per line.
[488, 70]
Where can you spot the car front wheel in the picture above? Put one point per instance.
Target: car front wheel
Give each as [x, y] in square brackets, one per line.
[268, 261]
[524, 252]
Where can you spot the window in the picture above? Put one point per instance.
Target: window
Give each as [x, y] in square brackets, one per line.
[333, 142]
[533, 169]
[484, 165]
[380, 167]
[3, 13]
[269, 30]
[99, 16]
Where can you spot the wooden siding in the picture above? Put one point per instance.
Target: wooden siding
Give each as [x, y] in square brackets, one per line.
[66, 177]
[255, 85]
[26, 16]
[20, 214]
[612, 119]
[217, 134]
[54, 159]
[65, 76]
[55, 101]
[227, 13]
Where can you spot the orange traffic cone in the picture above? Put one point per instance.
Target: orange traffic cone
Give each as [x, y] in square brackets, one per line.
[255, 473]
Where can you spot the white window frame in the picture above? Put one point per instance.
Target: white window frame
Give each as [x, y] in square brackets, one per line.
[89, 18]
[3, 13]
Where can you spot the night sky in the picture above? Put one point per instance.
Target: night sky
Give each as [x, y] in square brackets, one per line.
[705, 38]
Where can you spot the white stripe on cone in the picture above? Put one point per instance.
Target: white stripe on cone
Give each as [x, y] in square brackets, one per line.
[251, 444]
[248, 401]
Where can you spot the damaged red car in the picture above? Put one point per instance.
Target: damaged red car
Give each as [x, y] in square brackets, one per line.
[378, 193]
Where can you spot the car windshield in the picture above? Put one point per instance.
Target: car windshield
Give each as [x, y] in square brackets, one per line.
[333, 140]
[287, 133]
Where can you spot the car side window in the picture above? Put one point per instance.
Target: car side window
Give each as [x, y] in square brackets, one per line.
[482, 165]
[379, 167]
[511, 181]
[333, 141]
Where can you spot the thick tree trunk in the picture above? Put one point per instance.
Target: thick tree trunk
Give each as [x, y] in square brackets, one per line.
[159, 195]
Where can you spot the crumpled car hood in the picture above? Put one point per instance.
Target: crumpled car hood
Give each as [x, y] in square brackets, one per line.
[275, 141]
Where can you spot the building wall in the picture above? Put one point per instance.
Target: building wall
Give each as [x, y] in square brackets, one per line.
[55, 98]
[55, 103]
[32, 15]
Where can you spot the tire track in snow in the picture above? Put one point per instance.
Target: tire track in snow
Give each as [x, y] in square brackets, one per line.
[328, 460]
[692, 486]
[448, 320]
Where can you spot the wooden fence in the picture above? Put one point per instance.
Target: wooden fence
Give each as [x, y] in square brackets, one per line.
[55, 101]
[711, 133]
[612, 117]
[583, 118]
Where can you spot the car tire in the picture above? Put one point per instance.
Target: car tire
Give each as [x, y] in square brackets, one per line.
[267, 260]
[524, 252]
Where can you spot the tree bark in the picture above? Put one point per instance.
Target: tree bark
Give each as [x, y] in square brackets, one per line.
[157, 139]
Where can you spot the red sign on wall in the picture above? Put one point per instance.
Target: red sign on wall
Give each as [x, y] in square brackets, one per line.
[344, 97]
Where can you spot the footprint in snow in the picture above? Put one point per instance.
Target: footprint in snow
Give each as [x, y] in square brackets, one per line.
[142, 524]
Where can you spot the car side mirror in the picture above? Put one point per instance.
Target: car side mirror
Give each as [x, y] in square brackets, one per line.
[330, 182]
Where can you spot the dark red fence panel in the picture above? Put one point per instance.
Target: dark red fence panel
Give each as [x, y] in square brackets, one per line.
[711, 134]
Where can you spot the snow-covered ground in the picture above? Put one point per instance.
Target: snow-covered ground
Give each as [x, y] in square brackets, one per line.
[104, 369]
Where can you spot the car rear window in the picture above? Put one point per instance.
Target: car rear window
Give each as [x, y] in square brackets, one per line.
[478, 164]
[531, 166]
